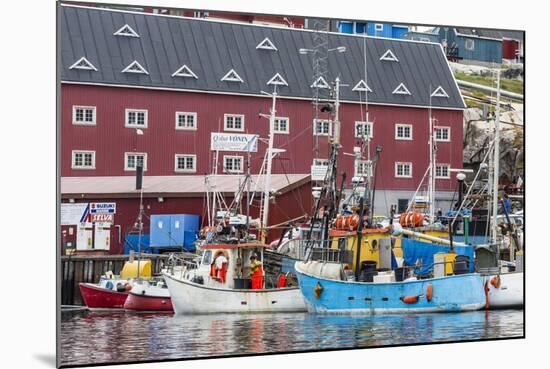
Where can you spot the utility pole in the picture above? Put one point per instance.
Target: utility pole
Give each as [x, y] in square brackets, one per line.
[496, 162]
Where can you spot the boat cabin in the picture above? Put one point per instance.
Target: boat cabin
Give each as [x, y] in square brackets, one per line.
[229, 265]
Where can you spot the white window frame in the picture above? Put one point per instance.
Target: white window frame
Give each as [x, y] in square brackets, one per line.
[316, 121]
[389, 56]
[186, 113]
[185, 170]
[439, 92]
[378, 27]
[320, 83]
[277, 79]
[397, 164]
[401, 90]
[277, 130]
[225, 128]
[121, 32]
[266, 44]
[84, 123]
[362, 86]
[127, 154]
[88, 65]
[362, 123]
[232, 76]
[240, 170]
[185, 72]
[84, 167]
[469, 44]
[359, 173]
[448, 176]
[127, 113]
[403, 125]
[442, 128]
[135, 63]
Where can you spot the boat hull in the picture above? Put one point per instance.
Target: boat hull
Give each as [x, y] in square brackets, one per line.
[96, 297]
[138, 302]
[448, 294]
[509, 294]
[188, 297]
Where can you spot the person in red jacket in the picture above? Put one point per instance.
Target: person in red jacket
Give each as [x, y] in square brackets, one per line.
[256, 273]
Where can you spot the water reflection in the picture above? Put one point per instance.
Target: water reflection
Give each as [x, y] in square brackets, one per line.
[88, 337]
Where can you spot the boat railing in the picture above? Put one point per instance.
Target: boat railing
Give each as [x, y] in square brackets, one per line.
[176, 261]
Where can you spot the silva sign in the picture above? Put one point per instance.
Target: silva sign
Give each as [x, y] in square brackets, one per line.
[102, 207]
[233, 142]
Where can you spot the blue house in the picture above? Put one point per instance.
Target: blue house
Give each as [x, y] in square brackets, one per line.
[471, 44]
[387, 30]
[422, 36]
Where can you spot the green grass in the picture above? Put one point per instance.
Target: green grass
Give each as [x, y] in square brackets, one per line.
[511, 85]
[472, 104]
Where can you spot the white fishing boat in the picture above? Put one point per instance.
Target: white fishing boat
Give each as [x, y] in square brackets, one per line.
[223, 282]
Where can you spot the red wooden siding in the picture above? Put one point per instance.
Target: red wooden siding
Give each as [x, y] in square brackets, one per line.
[161, 141]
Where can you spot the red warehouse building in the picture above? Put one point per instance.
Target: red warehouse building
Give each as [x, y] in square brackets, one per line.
[153, 88]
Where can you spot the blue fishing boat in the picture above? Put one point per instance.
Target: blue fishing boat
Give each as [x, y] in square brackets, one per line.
[324, 294]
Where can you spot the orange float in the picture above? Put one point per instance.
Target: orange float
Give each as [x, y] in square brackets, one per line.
[495, 281]
[429, 292]
[409, 299]
[411, 219]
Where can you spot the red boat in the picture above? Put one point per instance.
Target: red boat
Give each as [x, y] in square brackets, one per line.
[101, 297]
[149, 296]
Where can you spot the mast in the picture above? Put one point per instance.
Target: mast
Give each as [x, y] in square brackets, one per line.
[267, 188]
[496, 162]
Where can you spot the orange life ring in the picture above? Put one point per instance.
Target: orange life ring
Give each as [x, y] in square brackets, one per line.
[409, 299]
[495, 281]
[429, 292]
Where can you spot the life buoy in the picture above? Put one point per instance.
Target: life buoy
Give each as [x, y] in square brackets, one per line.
[409, 299]
[347, 222]
[495, 281]
[429, 292]
[318, 290]
[411, 219]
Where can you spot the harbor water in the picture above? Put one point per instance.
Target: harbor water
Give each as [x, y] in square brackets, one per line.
[109, 337]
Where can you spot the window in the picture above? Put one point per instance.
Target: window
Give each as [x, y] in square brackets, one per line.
[133, 159]
[403, 131]
[281, 125]
[83, 159]
[443, 134]
[232, 76]
[378, 27]
[363, 130]
[363, 169]
[136, 118]
[469, 44]
[232, 164]
[84, 115]
[320, 162]
[322, 127]
[233, 122]
[186, 121]
[184, 71]
[361, 86]
[185, 163]
[389, 56]
[277, 79]
[266, 44]
[401, 90]
[403, 170]
[83, 64]
[320, 83]
[442, 171]
[135, 67]
[127, 31]
[439, 92]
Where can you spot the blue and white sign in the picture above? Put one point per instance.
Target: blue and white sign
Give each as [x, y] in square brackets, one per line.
[233, 142]
[73, 214]
[103, 208]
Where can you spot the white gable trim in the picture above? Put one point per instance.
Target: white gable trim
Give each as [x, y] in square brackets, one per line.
[87, 66]
[389, 56]
[232, 76]
[320, 83]
[266, 44]
[439, 92]
[130, 68]
[184, 71]
[401, 90]
[362, 86]
[126, 31]
[277, 79]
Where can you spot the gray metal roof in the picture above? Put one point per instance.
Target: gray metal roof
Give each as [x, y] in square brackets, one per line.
[491, 33]
[212, 48]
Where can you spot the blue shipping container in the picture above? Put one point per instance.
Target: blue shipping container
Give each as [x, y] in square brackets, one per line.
[174, 231]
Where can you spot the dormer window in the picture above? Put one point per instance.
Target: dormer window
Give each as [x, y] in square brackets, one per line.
[184, 71]
[83, 64]
[401, 90]
[135, 67]
[126, 31]
[277, 79]
[320, 83]
[389, 56]
[232, 76]
[266, 44]
[439, 92]
[362, 86]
